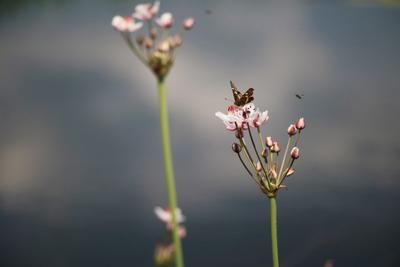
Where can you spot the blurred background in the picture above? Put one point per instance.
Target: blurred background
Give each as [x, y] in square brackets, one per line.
[80, 150]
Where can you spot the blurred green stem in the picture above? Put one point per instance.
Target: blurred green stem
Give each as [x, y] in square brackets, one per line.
[169, 170]
[274, 231]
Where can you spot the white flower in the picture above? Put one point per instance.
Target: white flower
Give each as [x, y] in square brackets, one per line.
[166, 20]
[125, 24]
[165, 215]
[257, 118]
[234, 119]
[146, 11]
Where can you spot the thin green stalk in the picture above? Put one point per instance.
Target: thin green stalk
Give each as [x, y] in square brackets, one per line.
[274, 231]
[169, 170]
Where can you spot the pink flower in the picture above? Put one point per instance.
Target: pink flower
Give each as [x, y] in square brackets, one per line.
[146, 11]
[125, 24]
[234, 119]
[166, 20]
[165, 215]
[188, 23]
[292, 130]
[295, 153]
[300, 124]
[257, 118]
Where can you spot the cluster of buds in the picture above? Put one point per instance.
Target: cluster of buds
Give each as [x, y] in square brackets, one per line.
[263, 165]
[164, 252]
[155, 48]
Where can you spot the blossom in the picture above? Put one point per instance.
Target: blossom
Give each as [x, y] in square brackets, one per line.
[236, 118]
[125, 24]
[165, 215]
[166, 20]
[146, 11]
[257, 118]
[188, 23]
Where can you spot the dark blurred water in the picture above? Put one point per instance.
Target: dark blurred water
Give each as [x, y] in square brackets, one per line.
[80, 155]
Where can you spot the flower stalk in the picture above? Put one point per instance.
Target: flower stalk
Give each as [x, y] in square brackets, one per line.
[269, 173]
[169, 170]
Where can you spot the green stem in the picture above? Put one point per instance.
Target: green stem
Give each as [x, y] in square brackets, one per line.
[274, 231]
[169, 170]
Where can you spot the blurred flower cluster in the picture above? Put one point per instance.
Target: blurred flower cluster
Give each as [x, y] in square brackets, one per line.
[164, 252]
[263, 163]
[156, 46]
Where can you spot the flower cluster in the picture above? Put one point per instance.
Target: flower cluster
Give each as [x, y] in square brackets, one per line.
[155, 48]
[265, 168]
[164, 252]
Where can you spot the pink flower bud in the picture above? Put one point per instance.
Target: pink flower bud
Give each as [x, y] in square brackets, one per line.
[300, 124]
[258, 166]
[188, 23]
[275, 147]
[268, 142]
[289, 172]
[166, 20]
[292, 130]
[273, 173]
[295, 153]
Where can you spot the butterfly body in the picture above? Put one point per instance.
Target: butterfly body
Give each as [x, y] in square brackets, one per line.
[242, 99]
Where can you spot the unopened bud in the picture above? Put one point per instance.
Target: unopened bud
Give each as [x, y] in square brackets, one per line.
[295, 153]
[178, 40]
[239, 134]
[258, 166]
[264, 153]
[275, 147]
[268, 142]
[292, 130]
[163, 47]
[148, 43]
[153, 33]
[236, 147]
[273, 173]
[140, 39]
[164, 254]
[289, 172]
[188, 23]
[300, 124]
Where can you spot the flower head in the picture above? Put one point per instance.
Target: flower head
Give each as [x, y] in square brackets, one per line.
[125, 24]
[300, 124]
[146, 11]
[165, 215]
[292, 130]
[166, 20]
[295, 153]
[188, 23]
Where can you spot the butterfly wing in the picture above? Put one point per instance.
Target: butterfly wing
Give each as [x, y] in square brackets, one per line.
[236, 94]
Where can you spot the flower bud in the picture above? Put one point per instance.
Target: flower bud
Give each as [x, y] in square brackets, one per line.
[268, 142]
[273, 173]
[289, 172]
[300, 124]
[164, 254]
[140, 39]
[188, 23]
[148, 43]
[258, 166]
[292, 130]
[153, 33]
[163, 47]
[239, 134]
[236, 147]
[275, 147]
[264, 153]
[295, 153]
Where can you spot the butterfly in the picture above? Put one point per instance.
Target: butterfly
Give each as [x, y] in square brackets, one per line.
[242, 99]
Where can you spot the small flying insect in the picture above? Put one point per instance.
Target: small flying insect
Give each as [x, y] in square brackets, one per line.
[299, 96]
